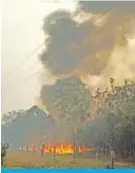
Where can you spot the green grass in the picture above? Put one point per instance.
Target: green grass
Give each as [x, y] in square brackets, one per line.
[23, 159]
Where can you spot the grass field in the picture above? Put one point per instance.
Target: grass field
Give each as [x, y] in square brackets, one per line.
[23, 159]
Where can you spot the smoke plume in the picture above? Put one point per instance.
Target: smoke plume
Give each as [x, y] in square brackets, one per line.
[97, 46]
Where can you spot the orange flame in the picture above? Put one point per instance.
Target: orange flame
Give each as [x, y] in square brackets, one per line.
[59, 148]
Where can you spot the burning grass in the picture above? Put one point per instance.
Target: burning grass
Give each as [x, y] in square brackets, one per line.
[61, 148]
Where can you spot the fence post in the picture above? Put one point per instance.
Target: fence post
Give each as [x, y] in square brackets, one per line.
[97, 157]
[42, 149]
[112, 159]
[34, 148]
[54, 152]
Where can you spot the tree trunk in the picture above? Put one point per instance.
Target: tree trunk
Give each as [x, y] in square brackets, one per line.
[112, 159]
[131, 149]
[97, 158]
[34, 149]
[112, 163]
[54, 153]
[42, 150]
[74, 146]
[104, 149]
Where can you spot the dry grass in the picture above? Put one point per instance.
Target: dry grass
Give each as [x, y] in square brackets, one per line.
[23, 159]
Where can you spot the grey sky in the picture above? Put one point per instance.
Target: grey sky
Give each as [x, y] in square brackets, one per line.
[21, 34]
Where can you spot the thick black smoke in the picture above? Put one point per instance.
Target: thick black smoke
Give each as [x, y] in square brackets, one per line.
[86, 47]
[72, 46]
[65, 47]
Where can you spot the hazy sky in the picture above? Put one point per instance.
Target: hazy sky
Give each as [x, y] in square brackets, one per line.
[21, 33]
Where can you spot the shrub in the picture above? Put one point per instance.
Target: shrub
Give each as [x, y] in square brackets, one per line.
[4, 148]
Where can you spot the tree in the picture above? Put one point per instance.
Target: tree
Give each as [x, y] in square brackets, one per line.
[8, 117]
[26, 128]
[120, 103]
[116, 109]
[72, 100]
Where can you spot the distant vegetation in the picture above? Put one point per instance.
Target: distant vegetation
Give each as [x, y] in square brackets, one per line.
[25, 127]
[4, 148]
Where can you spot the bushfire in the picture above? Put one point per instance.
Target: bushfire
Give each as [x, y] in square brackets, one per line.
[59, 148]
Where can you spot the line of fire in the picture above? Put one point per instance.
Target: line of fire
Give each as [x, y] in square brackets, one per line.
[59, 148]
[52, 144]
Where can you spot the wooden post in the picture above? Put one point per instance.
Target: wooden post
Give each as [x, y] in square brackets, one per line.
[74, 146]
[42, 149]
[112, 159]
[97, 157]
[34, 149]
[54, 152]
[131, 149]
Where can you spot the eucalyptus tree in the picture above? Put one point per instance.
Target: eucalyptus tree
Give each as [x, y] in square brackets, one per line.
[73, 102]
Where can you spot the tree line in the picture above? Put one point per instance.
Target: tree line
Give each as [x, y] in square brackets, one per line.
[105, 120]
[113, 125]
